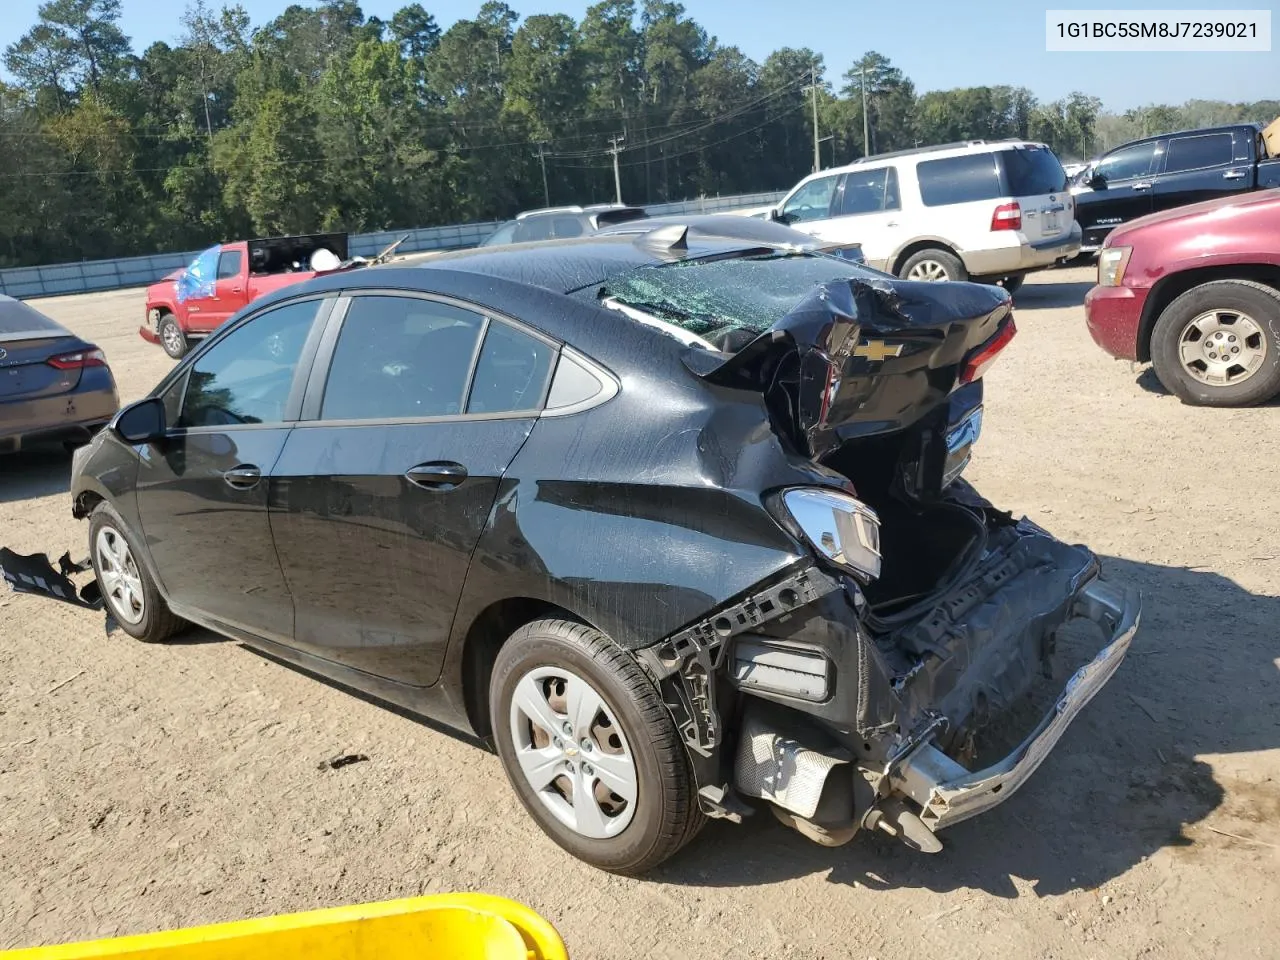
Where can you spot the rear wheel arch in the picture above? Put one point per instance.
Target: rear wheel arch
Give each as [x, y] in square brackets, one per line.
[486, 635]
[1171, 286]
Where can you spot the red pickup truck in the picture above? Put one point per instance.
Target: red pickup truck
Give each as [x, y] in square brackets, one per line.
[192, 302]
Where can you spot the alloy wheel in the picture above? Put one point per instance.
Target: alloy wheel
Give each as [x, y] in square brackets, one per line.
[119, 576]
[930, 270]
[1221, 348]
[572, 752]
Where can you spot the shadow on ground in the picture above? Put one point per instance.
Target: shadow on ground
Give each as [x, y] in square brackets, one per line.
[40, 472]
[1122, 784]
[1049, 295]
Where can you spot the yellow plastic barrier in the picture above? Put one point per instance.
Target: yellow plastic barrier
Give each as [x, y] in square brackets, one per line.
[452, 926]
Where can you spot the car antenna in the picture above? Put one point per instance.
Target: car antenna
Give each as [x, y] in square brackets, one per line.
[674, 238]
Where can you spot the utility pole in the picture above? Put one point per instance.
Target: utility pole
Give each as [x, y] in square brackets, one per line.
[866, 127]
[542, 156]
[617, 177]
[813, 76]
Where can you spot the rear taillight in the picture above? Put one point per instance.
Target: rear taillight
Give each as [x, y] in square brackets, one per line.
[78, 360]
[1008, 216]
[977, 362]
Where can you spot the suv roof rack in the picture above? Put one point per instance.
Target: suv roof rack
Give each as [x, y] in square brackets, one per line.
[957, 145]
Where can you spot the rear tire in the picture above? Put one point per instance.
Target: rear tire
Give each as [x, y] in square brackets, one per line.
[1012, 284]
[1218, 345]
[933, 264]
[576, 711]
[172, 338]
[130, 594]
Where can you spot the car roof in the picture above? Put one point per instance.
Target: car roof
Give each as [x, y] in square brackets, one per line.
[565, 266]
[1194, 132]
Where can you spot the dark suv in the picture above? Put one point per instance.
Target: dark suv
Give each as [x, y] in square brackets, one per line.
[558, 223]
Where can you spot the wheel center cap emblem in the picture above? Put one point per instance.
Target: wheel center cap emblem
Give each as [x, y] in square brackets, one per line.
[570, 751]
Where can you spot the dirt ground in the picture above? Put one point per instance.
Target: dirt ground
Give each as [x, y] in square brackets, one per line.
[154, 787]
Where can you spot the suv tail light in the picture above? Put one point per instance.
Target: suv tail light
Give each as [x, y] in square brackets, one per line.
[78, 361]
[1008, 216]
[977, 362]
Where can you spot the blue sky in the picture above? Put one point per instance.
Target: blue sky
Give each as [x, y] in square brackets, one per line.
[938, 43]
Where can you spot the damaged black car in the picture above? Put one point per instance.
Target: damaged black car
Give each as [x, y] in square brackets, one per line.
[677, 523]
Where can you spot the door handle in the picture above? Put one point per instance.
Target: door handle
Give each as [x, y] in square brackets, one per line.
[439, 475]
[243, 477]
[237, 289]
[1233, 175]
[1142, 186]
[892, 223]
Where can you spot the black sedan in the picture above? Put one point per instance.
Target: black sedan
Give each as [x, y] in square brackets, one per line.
[53, 385]
[677, 524]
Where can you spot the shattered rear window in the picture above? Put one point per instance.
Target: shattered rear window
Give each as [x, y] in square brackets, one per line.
[710, 296]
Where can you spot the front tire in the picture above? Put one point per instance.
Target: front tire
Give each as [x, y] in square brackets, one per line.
[1218, 345]
[590, 749]
[172, 338]
[127, 588]
[933, 264]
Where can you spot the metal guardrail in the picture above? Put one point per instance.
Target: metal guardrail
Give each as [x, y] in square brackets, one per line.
[92, 276]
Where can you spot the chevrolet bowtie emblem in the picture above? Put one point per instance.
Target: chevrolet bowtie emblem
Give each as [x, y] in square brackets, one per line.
[877, 350]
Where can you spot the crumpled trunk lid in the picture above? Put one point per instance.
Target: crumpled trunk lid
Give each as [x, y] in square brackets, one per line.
[861, 357]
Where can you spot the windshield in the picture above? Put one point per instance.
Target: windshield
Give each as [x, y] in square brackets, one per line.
[1033, 171]
[714, 297]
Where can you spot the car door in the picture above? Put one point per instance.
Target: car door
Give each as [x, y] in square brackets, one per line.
[1120, 190]
[1203, 167]
[202, 492]
[378, 502]
[866, 209]
[228, 294]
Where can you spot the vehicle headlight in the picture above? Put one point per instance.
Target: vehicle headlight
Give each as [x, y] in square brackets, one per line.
[843, 529]
[1111, 264]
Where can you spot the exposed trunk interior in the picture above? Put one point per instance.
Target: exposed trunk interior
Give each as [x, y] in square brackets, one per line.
[926, 543]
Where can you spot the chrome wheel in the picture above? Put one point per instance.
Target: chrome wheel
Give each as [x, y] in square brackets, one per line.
[118, 575]
[930, 270]
[1221, 348]
[572, 752]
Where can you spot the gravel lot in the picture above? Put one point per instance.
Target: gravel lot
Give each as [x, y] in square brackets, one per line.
[176, 785]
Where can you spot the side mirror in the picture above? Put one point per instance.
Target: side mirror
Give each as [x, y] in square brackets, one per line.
[141, 422]
[1097, 181]
[777, 216]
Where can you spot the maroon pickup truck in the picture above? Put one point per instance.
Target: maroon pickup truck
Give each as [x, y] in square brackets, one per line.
[1196, 291]
[192, 302]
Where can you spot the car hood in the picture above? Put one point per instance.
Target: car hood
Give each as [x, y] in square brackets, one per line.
[1222, 209]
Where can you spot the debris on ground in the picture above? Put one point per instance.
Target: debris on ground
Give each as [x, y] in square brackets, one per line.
[343, 760]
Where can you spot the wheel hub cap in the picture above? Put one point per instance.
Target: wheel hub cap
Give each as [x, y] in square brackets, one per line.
[1221, 348]
[572, 752]
[118, 576]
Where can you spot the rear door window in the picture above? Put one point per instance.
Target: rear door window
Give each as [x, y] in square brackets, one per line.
[870, 191]
[961, 179]
[1196, 153]
[534, 228]
[1127, 162]
[511, 373]
[1033, 171]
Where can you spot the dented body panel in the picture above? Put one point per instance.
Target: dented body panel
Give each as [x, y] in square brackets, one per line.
[657, 516]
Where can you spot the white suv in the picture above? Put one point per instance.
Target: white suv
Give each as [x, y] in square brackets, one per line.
[986, 211]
